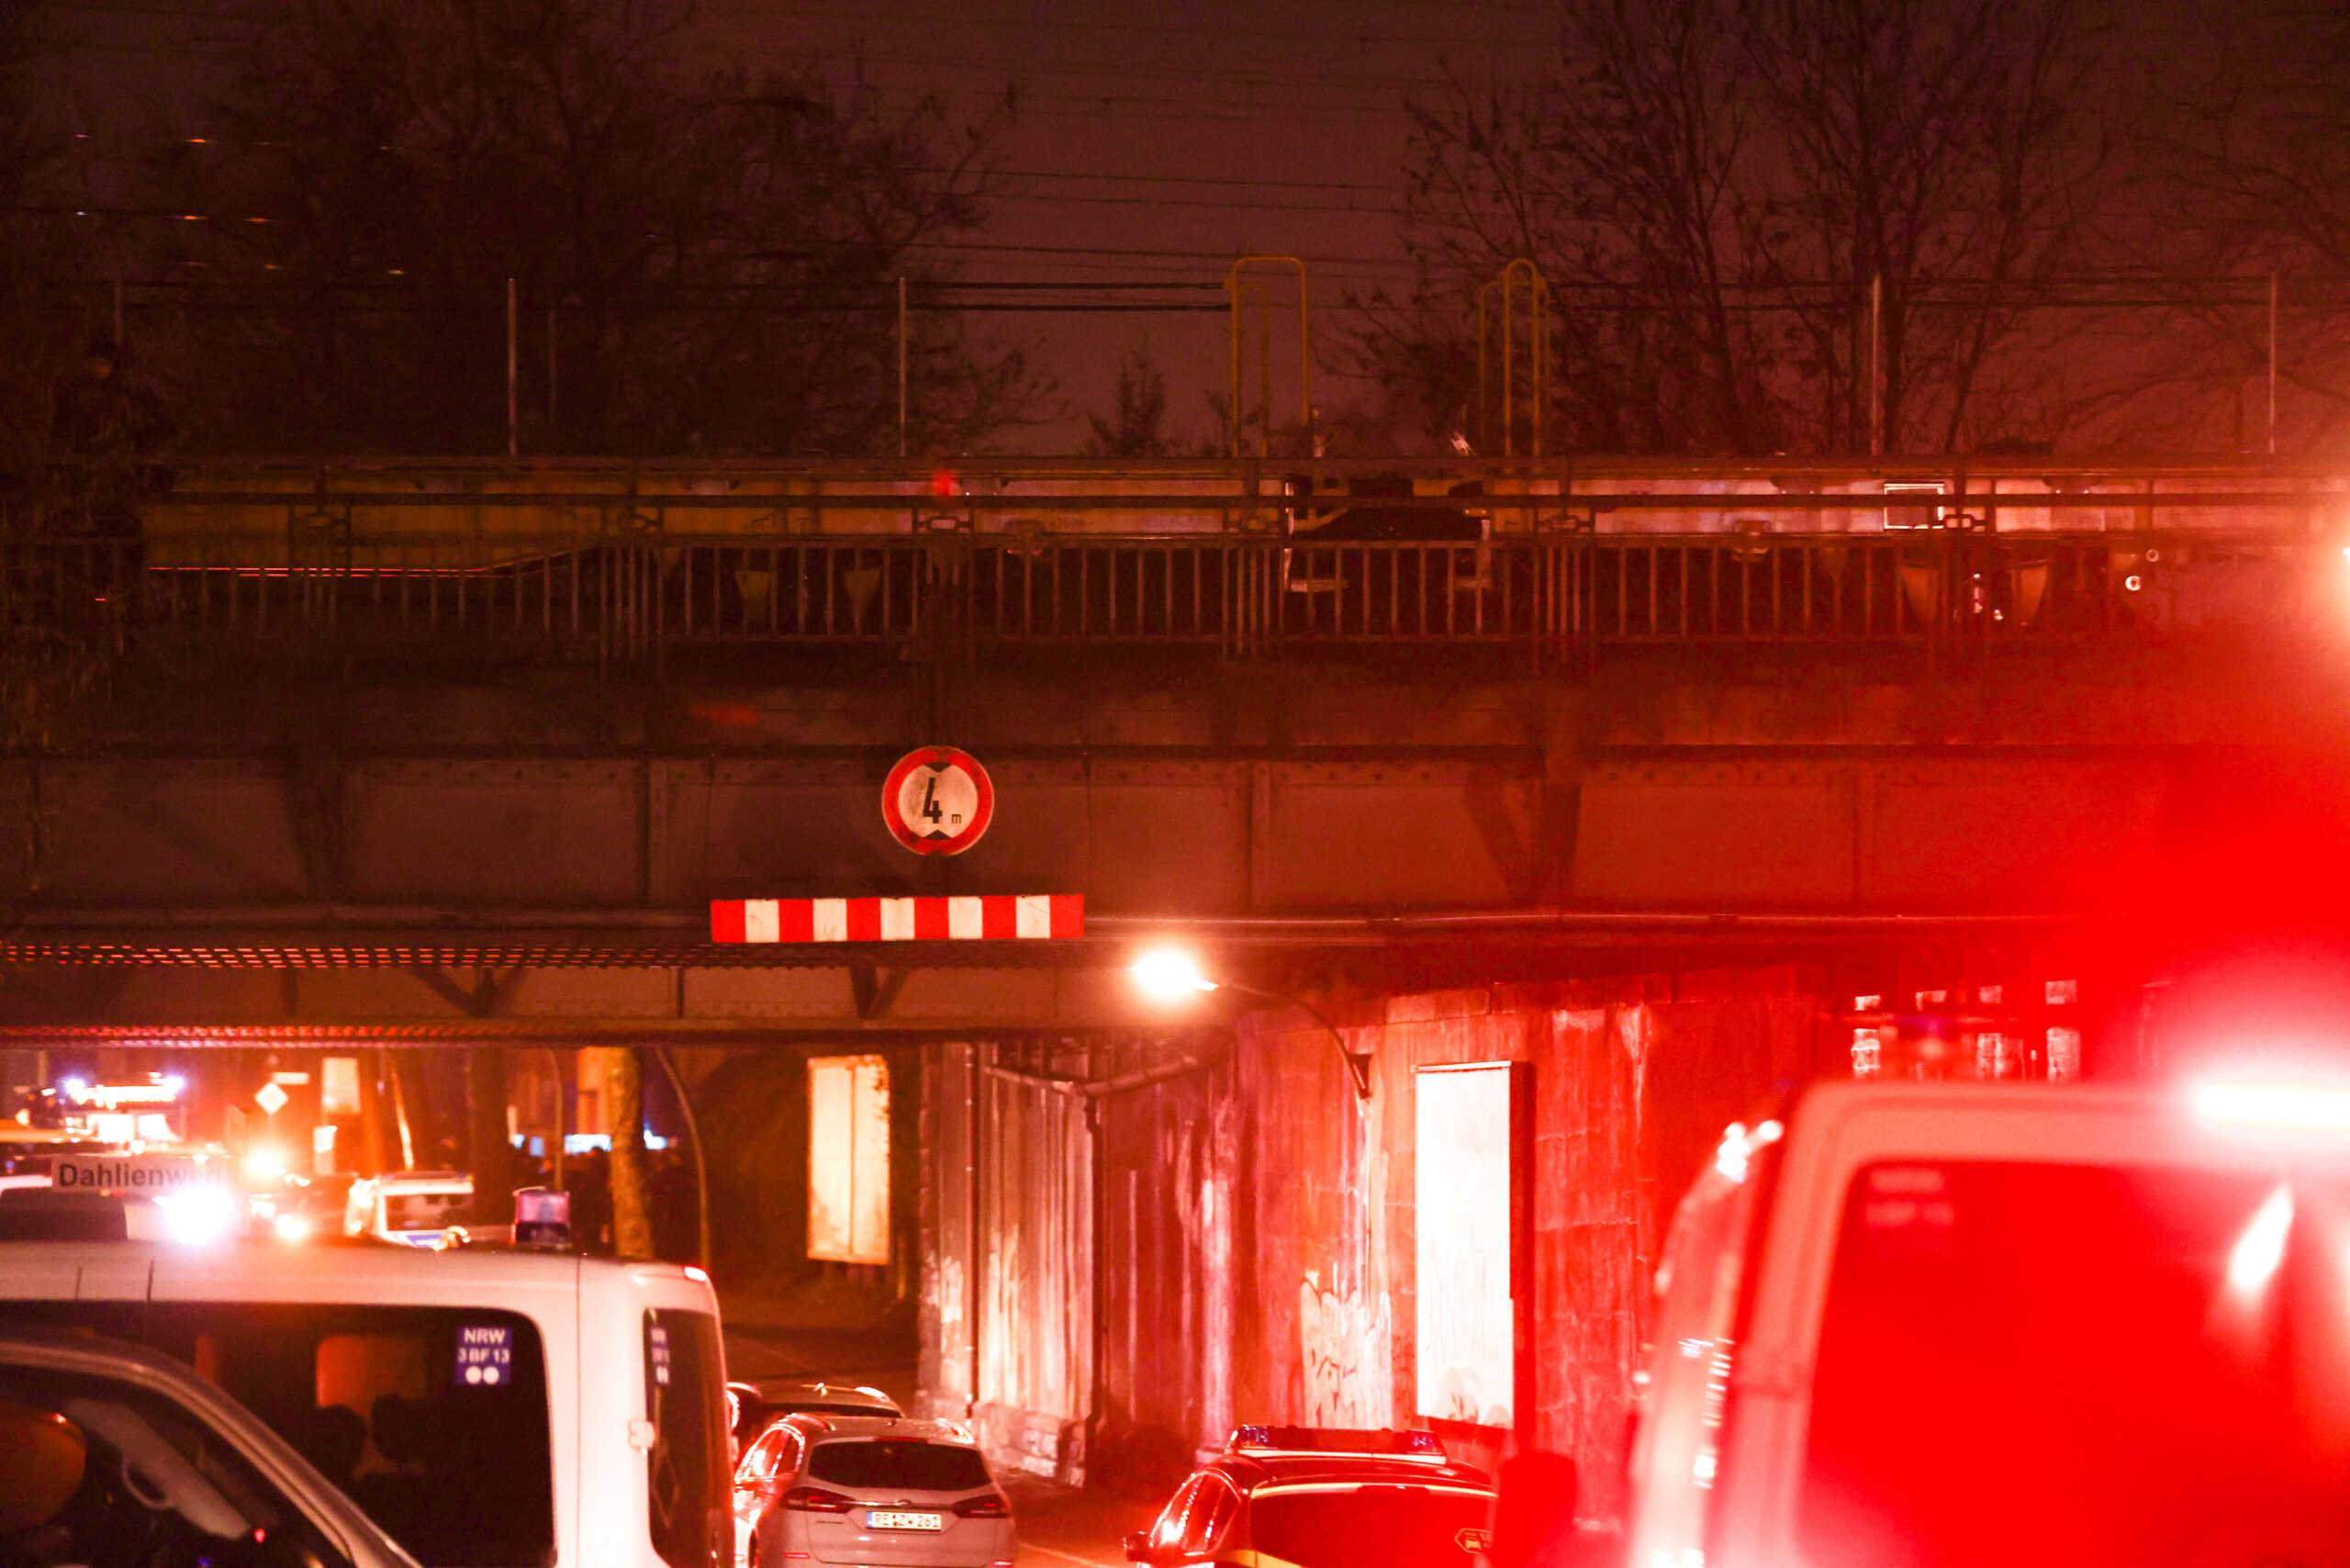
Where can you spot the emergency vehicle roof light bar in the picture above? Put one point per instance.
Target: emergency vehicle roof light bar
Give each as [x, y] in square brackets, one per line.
[1385, 1442]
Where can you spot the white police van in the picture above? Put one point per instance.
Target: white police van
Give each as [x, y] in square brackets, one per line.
[418, 1208]
[488, 1409]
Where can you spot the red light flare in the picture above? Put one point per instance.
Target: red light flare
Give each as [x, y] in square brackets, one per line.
[2232, 918]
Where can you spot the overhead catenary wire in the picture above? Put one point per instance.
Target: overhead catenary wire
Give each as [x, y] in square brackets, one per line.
[1323, 39]
[149, 146]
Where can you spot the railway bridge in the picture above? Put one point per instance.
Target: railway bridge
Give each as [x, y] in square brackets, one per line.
[350, 723]
[1663, 782]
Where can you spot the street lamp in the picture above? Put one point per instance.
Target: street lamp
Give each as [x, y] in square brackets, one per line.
[1172, 974]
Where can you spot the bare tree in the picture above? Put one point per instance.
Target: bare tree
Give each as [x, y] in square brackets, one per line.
[1135, 425]
[1715, 190]
[52, 662]
[2255, 146]
[43, 253]
[702, 263]
[1619, 174]
[1934, 150]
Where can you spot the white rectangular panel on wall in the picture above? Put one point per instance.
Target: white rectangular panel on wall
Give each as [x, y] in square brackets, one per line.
[1467, 1365]
[848, 1160]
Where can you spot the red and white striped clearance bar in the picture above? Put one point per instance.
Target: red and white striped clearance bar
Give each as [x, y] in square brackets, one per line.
[897, 920]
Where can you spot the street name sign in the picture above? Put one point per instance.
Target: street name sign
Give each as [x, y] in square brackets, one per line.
[145, 1174]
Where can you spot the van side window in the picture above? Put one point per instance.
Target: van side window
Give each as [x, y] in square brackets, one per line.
[686, 1473]
[432, 1419]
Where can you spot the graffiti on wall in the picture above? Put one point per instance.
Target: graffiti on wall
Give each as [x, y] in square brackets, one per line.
[1343, 1346]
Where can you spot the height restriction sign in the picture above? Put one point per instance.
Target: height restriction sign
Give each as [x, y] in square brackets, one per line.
[937, 800]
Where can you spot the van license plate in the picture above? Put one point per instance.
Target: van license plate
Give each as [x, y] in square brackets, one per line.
[876, 1520]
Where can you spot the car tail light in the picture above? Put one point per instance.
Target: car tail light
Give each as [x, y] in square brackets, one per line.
[815, 1500]
[992, 1507]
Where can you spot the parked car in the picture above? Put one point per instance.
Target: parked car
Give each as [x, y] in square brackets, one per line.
[870, 1489]
[111, 1452]
[1324, 1497]
[754, 1404]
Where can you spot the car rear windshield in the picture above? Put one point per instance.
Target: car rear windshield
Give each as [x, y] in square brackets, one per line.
[907, 1463]
[1370, 1527]
[2056, 1366]
[433, 1419]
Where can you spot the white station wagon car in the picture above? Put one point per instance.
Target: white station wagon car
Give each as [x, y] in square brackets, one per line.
[865, 1489]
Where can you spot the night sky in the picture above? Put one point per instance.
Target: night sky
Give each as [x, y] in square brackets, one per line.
[1150, 144]
[1155, 140]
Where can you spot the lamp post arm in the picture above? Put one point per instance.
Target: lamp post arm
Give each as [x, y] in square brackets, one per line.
[1357, 1063]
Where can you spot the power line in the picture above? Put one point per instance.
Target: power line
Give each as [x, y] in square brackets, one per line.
[127, 8]
[1324, 38]
[1226, 257]
[131, 146]
[1194, 202]
[1120, 69]
[1249, 181]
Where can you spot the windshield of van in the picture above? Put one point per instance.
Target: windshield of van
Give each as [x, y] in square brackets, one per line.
[1370, 1527]
[913, 1466]
[426, 1211]
[2043, 1364]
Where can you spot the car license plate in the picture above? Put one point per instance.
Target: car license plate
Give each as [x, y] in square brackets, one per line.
[875, 1519]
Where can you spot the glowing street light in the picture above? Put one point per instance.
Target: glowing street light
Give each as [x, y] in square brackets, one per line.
[1169, 974]
[1173, 974]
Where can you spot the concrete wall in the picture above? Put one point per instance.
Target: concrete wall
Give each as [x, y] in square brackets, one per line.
[1254, 1227]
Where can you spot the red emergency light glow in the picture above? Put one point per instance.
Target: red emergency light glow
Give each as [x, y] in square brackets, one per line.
[2272, 1105]
[2259, 1252]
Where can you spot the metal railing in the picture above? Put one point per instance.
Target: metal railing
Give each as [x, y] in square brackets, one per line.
[608, 599]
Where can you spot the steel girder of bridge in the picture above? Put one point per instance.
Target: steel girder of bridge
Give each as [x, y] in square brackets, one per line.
[1532, 828]
[1796, 739]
